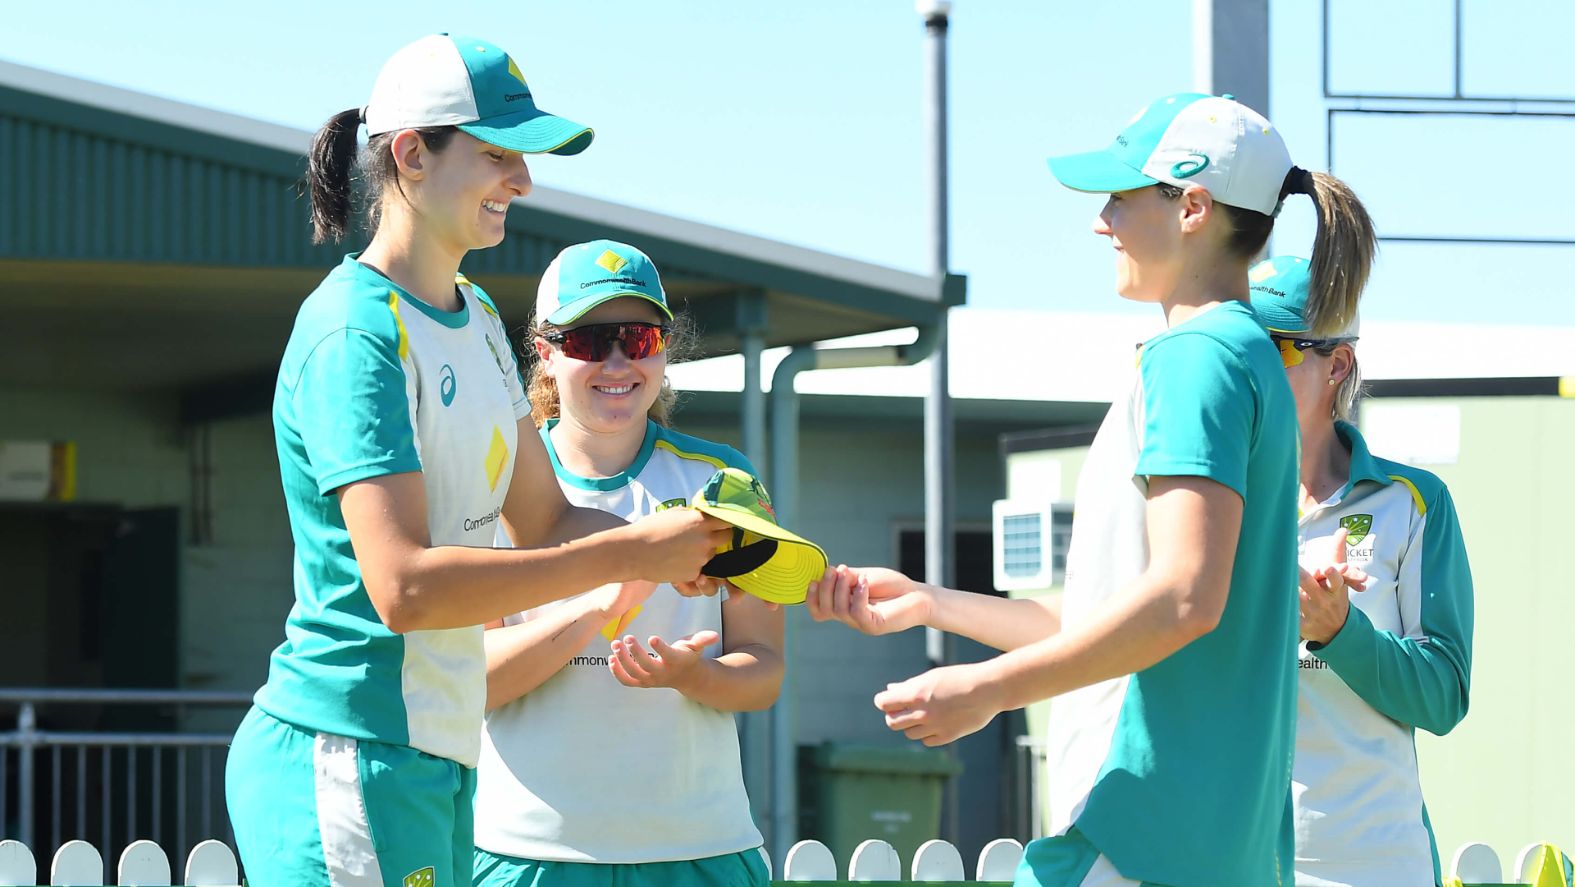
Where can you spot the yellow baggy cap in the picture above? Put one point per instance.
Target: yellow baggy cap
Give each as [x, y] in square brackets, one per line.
[761, 559]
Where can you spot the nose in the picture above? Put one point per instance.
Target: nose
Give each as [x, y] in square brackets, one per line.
[519, 180]
[1102, 221]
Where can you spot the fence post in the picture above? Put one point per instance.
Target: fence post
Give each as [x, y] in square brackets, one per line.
[26, 730]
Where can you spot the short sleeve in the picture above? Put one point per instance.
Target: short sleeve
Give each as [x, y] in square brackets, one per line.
[1198, 411]
[353, 410]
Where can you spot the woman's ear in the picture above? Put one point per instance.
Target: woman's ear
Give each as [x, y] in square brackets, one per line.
[1341, 363]
[543, 350]
[1196, 207]
[410, 154]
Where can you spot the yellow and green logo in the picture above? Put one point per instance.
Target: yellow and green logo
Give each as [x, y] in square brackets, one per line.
[1357, 526]
[426, 877]
[514, 71]
[611, 261]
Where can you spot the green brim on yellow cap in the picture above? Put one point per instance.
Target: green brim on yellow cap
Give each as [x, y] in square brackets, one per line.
[785, 577]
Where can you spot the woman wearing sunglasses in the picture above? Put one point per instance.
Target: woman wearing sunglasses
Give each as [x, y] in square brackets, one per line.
[610, 755]
[1386, 617]
[404, 441]
[1167, 654]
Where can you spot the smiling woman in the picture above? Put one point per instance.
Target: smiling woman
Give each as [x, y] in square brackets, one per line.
[405, 443]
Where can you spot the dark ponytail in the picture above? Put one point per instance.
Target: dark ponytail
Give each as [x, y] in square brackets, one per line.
[331, 164]
[1342, 253]
[328, 175]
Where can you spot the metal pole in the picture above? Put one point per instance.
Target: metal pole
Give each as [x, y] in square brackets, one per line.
[939, 538]
[784, 490]
[26, 728]
[754, 727]
[1230, 50]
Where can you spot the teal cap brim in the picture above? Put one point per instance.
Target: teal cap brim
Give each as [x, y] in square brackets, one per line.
[575, 310]
[1097, 171]
[532, 132]
[1276, 319]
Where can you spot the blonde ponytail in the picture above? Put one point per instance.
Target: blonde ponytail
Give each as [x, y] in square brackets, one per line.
[1342, 253]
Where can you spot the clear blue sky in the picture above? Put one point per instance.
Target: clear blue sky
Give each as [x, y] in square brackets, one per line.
[803, 121]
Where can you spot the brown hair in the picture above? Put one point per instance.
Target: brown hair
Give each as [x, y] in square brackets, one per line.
[332, 160]
[543, 390]
[1342, 253]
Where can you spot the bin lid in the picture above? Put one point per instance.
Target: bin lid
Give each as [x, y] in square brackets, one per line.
[914, 759]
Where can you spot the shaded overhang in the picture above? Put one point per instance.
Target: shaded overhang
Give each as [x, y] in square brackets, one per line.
[147, 244]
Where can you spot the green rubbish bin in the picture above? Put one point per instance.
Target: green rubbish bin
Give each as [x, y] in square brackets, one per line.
[858, 792]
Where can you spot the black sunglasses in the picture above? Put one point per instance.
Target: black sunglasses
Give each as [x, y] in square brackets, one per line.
[594, 342]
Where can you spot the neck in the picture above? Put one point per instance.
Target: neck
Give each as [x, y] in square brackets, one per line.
[1326, 463]
[419, 263]
[591, 453]
[1204, 285]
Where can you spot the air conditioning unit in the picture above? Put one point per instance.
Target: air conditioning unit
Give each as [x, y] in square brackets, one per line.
[1030, 540]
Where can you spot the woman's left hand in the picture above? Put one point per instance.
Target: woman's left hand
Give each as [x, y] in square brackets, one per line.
[677, 665]
[940, 706]
[1325, 603]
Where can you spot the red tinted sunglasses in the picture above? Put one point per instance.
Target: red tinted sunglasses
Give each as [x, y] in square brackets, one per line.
[594, 342]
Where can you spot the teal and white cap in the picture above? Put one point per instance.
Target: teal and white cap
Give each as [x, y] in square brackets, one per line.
[1188, 139]
[1279, 297]
[449, 80]
[588, 274]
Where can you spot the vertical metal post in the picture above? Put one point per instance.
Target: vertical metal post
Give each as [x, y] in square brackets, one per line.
[784, 487]
[939, 538]
[26, 727]
[755, 728]
[1230, 50]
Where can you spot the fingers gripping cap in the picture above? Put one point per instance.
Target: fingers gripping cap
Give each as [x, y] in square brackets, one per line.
[760, 558]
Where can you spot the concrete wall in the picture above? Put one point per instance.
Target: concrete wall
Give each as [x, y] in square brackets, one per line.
[132, 452]
[1505, 775]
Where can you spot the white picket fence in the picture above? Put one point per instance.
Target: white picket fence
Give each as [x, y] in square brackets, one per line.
[212, 864]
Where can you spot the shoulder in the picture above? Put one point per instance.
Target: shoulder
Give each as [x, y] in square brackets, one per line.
[687, 446]
[1428, 491]
[348, 300]
[486, 302]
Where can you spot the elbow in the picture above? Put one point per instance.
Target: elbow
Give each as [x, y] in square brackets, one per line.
[400, 605]
[1196, 616]
[1449, 720]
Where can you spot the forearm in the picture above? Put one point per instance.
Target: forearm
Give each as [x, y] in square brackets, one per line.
[1140, 627]
[747, 678]
[453, 586]
[1423, 683]
[522, 657]
[1005, 624]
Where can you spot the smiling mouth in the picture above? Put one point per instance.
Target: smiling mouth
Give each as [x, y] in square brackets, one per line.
[492, 206]
[615, 390]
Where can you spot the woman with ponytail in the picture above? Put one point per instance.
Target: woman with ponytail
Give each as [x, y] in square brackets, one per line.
[405, 441]
[1377, 664]
[1173, 723]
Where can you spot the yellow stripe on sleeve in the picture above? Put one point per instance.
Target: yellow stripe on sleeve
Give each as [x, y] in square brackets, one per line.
[1416, 495]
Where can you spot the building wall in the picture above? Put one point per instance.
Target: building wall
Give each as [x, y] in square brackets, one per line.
[132, 452]
[1504, 775]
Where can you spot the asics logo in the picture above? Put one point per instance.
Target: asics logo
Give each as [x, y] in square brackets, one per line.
[1186, 169]
[446, 384]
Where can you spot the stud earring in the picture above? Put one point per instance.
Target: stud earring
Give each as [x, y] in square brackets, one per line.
[1334, 381]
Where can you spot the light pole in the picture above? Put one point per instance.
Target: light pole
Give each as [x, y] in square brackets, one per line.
[939, 539]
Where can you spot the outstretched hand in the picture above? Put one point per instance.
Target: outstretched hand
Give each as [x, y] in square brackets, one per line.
[677, 665]
[940, 706]
[1325, 603]
[873, 600]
